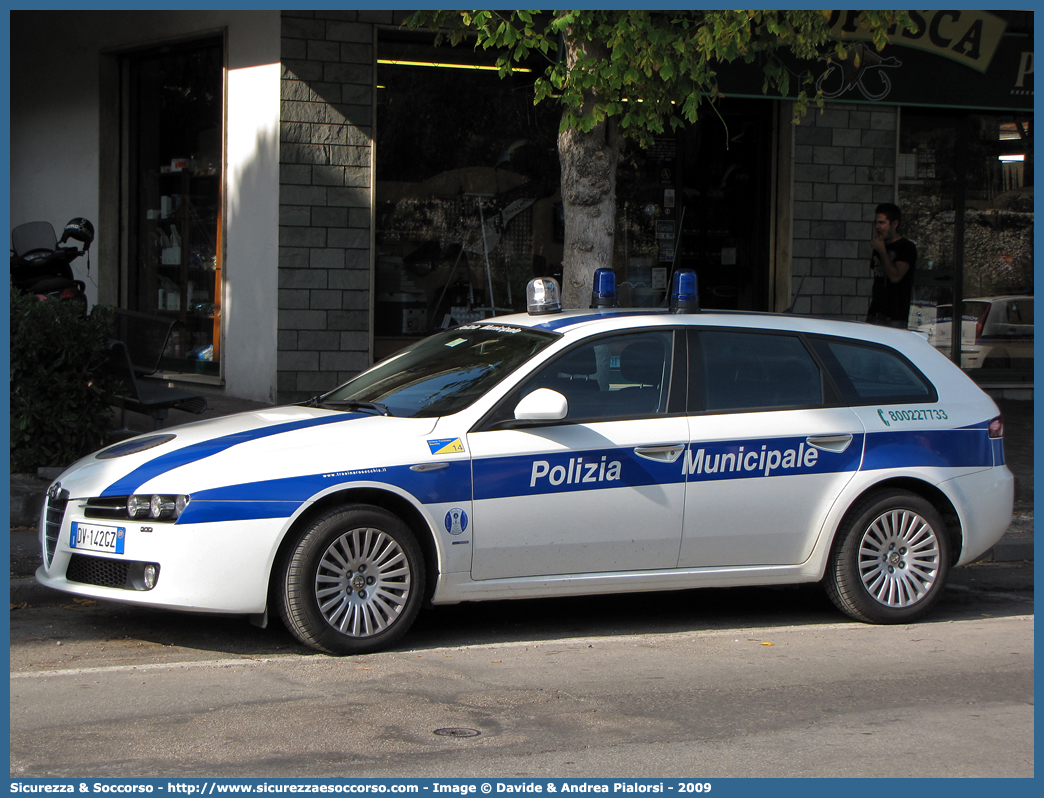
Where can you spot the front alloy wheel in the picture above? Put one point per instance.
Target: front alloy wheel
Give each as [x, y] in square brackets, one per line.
[354, 581]
[891, 559]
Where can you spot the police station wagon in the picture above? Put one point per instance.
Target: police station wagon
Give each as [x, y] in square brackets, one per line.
[556, 454]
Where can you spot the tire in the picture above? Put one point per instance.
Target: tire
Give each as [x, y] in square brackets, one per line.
[891, 559]
[353, 582]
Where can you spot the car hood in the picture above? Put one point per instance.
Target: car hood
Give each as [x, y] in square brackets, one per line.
[249, 447]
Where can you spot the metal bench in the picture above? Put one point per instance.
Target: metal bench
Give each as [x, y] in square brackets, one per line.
[135, 354]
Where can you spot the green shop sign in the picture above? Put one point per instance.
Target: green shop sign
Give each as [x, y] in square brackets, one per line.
[952, 59]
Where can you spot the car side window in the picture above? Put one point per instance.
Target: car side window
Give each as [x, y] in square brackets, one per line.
[872, 374]
[746, 371]
[619, 376]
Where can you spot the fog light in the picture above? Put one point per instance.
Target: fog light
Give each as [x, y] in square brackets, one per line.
[150, 575]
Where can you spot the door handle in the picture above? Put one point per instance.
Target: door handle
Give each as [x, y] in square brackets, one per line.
[429, 466]
[831, 443]
[661, 454]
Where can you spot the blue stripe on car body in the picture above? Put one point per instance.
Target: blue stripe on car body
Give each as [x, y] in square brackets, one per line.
[768, 457]
[554, 324]
[561, 472]
[280, 498]
[129, 483]
[950, 448]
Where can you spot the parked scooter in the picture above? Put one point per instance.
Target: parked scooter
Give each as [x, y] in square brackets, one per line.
[40, 264]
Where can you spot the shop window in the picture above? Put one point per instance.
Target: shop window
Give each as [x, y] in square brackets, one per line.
[966, 192]
[699, 198]
[461, 151]
[467, 183]
[173, 113]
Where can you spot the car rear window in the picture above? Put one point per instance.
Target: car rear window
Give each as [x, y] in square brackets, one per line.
[976, 310]
[872, 374]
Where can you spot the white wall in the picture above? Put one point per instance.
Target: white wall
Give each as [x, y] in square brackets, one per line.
[55, 117]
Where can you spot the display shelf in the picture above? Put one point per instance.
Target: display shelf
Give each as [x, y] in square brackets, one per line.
[183, 274]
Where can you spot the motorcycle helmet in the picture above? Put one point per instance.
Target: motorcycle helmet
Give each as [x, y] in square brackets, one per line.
[79, 229]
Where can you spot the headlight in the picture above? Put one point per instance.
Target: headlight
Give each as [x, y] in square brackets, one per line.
[161, 508]
[137, 506]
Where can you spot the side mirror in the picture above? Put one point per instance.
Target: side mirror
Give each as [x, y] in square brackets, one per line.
[543, 404]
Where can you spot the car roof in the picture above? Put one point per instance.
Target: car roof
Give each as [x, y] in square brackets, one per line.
[595, 320]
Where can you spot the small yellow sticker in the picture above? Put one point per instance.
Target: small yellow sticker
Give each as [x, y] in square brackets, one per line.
[446, 446]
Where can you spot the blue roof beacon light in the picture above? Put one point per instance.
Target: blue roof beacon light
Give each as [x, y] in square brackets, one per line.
[603, 289]
[543, 296]
[685, 293]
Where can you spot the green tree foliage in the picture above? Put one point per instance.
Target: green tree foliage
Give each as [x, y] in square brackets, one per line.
[60, 394]
[650, 69]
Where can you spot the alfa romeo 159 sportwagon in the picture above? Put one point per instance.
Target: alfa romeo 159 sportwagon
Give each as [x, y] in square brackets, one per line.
[556, 454]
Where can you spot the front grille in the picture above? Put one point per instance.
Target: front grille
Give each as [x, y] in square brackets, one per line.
[111, 507]
[98, 571]
[53, 523]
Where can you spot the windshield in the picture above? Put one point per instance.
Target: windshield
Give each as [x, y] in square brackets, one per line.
[442, 374]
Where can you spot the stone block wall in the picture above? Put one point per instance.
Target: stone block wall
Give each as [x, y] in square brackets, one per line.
[844, 164]
[325, 237]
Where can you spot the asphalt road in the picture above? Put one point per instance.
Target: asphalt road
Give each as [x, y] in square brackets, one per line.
[705, 684]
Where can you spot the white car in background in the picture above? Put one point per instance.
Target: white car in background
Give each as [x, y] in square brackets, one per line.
[556, 454]
[996, 332]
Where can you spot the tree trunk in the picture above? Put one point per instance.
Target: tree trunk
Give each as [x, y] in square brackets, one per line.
[589, 162]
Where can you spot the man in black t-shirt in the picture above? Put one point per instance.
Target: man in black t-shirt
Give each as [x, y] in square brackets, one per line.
[892, 263]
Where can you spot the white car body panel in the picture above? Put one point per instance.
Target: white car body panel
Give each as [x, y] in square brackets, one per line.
[515, 476]
[497, 524]
[764, 455]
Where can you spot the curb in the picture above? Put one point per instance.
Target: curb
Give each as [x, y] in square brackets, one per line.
[1010, 550]
[1023, 488]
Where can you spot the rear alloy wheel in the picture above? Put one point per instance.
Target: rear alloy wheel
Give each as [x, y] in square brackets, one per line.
[354, 581]
[891, 559]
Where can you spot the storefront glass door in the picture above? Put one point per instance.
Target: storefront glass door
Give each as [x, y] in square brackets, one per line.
[966, 193]
[172, 119]
[699, 198]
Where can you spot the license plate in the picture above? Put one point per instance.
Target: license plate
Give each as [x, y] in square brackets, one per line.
[89, 537]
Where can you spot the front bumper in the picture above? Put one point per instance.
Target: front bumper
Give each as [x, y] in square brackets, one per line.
[211, 567]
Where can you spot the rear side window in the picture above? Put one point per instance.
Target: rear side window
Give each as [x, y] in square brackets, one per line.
[870, 374]
[745, 371]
